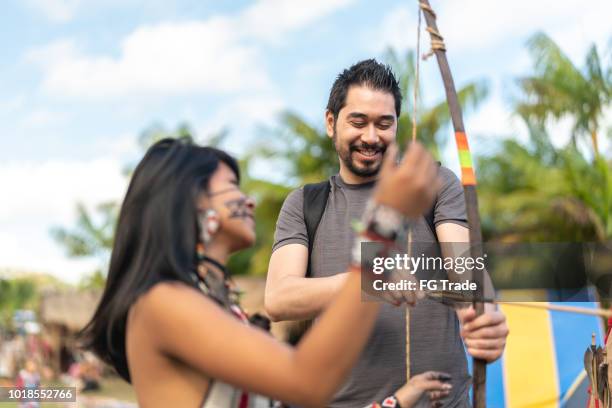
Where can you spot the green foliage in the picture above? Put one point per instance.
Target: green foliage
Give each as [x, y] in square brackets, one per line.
[304, 151]
[524, 198]
[535, 191]
[18, 293]
[529, 191]
[93, 233]
[269, 197]
[558, 89]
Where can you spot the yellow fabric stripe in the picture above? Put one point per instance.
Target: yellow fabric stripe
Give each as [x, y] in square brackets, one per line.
[530, 370]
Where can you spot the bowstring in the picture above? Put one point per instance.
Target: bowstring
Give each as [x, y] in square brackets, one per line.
[416, 77]
[415, 99]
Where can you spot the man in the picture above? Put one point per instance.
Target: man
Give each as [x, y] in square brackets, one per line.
[361, 118]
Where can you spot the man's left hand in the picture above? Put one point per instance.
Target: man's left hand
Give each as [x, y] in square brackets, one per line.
[484, 336]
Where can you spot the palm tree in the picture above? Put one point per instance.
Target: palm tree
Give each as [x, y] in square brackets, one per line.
[534, 191]
[89, 237]
[528, 194]
[302, 151]
[559, 89]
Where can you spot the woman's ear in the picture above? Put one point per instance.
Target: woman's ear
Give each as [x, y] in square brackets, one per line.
[209, 225]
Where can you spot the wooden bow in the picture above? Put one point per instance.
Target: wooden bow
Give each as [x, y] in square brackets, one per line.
[468, 179]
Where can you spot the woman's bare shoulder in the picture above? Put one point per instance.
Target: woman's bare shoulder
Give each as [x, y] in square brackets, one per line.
[169, 301]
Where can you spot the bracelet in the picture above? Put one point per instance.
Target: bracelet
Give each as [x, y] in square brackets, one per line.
[387, 247]
[382, 220]
[380, 223]
[389, 402]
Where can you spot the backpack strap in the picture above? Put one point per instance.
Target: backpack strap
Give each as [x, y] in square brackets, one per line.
[315, 201]
[429, 217]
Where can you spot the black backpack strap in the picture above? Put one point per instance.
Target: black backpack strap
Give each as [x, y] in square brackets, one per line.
[315, 200]
[429, 217]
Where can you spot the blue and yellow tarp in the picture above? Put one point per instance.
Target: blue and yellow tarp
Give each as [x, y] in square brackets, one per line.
[542, 366]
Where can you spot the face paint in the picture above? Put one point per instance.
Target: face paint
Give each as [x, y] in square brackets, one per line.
[239, 208]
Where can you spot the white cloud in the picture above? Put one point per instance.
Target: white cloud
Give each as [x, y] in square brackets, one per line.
[478, 25]
[487, 23]
[270, 19]
[122, 146]
[33, 251]
[167, 58]
[397, 30]
[215, 55]
[64, 11]
[492, 119]
[39, 196]
[52, 54]
[43, 118]
[52, 187]
[59, 11]
[12, 104]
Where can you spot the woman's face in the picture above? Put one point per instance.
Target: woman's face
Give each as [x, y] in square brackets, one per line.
[235, 210]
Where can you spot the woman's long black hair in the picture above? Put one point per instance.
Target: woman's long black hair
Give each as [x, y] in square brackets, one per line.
[156, 237]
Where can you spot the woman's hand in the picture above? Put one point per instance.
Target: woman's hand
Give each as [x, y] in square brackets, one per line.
[410, 186]
[430, 384]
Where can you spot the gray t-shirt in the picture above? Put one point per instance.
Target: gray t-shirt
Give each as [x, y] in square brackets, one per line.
[435, 343]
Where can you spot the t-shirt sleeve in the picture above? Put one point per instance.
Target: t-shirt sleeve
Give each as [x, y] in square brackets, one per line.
[450, 203]
[290, 226]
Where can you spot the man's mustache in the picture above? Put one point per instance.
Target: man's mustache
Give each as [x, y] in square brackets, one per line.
[365, 146]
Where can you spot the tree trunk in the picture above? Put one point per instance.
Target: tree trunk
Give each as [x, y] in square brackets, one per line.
[595, 143]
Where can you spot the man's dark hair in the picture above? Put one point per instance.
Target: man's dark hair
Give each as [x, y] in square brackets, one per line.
[370, 73]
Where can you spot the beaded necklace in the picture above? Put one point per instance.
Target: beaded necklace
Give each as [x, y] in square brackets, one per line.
[223, 290]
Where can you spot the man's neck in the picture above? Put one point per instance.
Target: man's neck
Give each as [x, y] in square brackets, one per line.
[351, 178]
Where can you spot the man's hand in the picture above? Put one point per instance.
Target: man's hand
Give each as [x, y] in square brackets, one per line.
[485, 335]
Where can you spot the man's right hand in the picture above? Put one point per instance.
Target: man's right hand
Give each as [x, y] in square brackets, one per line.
[410, 186]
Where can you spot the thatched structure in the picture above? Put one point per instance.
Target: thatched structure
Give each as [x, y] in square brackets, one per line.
[71, 309]
[64, 313]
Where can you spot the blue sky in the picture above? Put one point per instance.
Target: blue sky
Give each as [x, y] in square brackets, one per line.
[79, 80]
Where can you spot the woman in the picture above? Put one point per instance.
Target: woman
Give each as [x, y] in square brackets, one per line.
[169, 321]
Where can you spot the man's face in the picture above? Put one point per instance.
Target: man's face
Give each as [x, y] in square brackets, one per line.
[364, 128]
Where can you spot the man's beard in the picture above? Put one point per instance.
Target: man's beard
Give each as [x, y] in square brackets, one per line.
[346, 156]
